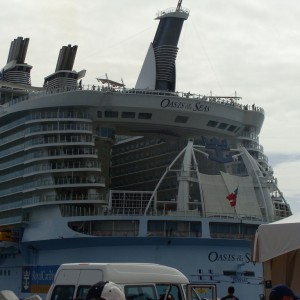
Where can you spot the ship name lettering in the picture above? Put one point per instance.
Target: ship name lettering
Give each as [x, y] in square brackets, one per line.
[215, 257]
[247, 257]
[198, 106]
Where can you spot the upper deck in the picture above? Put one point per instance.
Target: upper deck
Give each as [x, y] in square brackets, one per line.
[123, 109]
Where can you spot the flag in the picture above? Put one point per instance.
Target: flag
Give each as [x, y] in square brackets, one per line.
[232, 197]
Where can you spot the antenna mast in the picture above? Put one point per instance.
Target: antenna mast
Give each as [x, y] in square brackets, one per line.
[178, 8]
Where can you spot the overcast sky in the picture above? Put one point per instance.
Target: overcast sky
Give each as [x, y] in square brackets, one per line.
[248, 46]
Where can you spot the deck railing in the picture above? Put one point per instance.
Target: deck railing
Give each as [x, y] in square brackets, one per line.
[222, 100]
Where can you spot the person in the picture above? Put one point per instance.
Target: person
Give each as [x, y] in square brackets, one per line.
[282, 292]
[166, 297]
[230, 295]
[105, 290]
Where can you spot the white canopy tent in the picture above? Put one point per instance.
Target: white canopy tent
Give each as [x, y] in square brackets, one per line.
[277, 246]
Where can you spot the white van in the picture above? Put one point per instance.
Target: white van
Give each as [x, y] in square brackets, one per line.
[140, 281]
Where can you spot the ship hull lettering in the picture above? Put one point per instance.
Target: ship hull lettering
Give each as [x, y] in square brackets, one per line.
[192, 106]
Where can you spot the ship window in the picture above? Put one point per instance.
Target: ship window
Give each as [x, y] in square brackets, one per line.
[222, 125]
[111, 114]
[249, 273]
[99, 114]
[106, 132]
[229, 273]
[181, 119]
[212, 123]
[145, 115]
[231, 128]
[219, 230]
[128, 114]
[226, 230]
[196, 229]
[237, 129]
[175, 229]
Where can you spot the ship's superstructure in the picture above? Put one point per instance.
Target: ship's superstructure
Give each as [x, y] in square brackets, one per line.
[105, 173]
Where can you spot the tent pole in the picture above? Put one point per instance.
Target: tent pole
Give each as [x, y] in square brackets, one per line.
[267, 278]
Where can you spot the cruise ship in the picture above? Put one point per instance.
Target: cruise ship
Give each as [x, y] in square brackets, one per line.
[106, 173]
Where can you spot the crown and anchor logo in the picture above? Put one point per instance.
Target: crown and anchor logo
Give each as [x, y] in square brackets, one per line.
[26, 279]
[217, 149]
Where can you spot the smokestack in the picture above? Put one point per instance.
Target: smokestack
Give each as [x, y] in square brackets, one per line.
[159, 70]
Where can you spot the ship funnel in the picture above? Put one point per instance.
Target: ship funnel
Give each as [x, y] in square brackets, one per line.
[66, 58]
[18, 50]
[159, 71]
[16, 70]
[64, 78]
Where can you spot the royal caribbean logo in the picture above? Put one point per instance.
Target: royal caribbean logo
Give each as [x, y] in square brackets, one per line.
[26, 279]
[217, 150]
[37, 279]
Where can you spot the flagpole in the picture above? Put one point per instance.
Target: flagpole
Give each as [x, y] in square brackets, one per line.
[235, 200]
[234, 207]
[235, 211]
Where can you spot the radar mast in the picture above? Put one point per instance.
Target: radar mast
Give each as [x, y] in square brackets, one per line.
[178, 8]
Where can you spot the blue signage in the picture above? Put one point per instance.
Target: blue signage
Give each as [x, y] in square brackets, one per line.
[37, 279]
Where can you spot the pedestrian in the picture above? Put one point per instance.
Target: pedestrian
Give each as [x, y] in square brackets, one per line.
[230, 295]
[166, 297]
[105, 290]
[282, 292]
